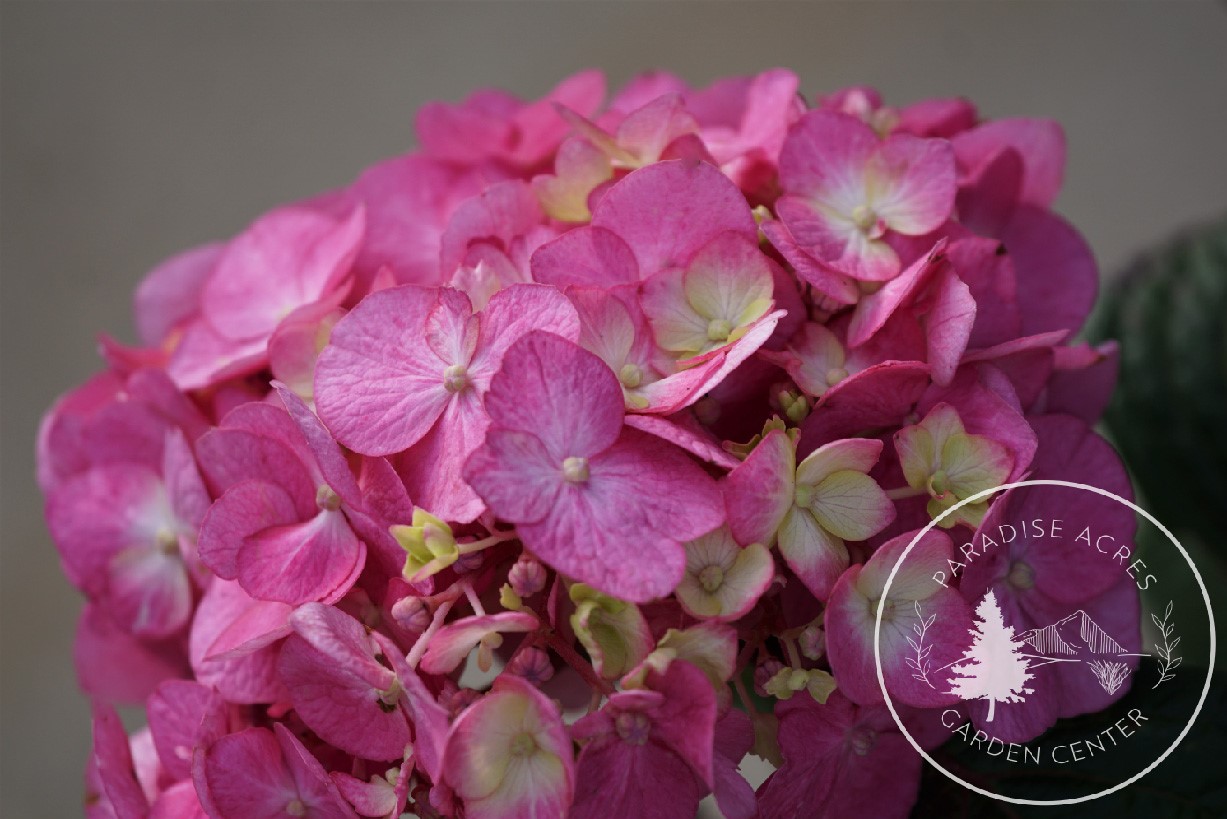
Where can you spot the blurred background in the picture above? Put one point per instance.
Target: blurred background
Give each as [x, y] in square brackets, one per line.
[132, 130]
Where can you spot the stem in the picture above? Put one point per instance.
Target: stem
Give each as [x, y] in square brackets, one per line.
[581, 666]
[905, 492]
[746, 703]
[485, 542]
[478, 609]
[436, 623]
[794, 656]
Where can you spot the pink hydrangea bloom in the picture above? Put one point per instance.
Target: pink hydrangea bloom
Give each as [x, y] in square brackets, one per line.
[595, 407]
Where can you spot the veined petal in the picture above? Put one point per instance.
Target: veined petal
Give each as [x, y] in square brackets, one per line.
[850, 505]
[817, 556]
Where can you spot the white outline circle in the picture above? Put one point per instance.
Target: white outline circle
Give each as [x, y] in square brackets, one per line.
[877, 641]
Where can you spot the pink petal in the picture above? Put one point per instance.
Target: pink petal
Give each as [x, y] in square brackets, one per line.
[759, 492]
[516, 475]
[1057, 274]
[825, 152]
[203, 357]
[829, 282]
[1040, 143]
[328, 455]
[948, 325]
[586, 256]
[873, 310]
[247, 679]
[261, 623]
[170, 293]
[919, 182]
[880, 396]
[295, 563]
[183, 716]
[285, 259]
[638, 486]
[693, 438]
[112, 760]
[335, 685]
[230, 457]
[497, 215]
[576, 405]
[115, 666]
[669, 210]
[513, 313]
[244, 510]
[378, 386]
[451, 644]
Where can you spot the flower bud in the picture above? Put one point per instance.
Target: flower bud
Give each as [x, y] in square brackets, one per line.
[411, 614]
[762, 675]
[527, 577]
[533, 664]
[812, 641]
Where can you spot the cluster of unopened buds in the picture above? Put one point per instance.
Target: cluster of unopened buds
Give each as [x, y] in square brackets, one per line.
[553, 468]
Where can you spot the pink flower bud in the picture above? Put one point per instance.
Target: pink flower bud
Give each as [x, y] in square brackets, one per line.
[527, 577]
[763, 673]
[460, 700]
[411, 614]
[533, 664]
[812, 641]
[468, 563]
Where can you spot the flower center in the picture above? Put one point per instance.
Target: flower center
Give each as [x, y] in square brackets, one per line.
[862, 741]
[296, 808]
[804, 495]
[718, 329]
[523, 744]
[455, 378]
[864, 218]
[939, 484]
[326, 499]
[631, 376]
[1021, 575]
[168, 542]
[575, 469]
[835, 375]
[633, 727]
[711, 578]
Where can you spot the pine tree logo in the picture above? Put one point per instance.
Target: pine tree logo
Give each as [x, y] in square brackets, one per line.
[995, 667]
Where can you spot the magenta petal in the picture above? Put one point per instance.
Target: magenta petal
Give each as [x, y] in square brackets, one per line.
[114, 666]
[183, 716]
[734, 738]
[880, 396]
[338, 688]
[296, 563]
[247, 679]
[587, 256]
[287, 258]
[378, 386]
[1040, 143]
[112, 760]
[229, 457]
[452, 643]
[873, 311]
[170, 293]
[667, 211]
[829, 282]
[1057, 274]
[516, 311]
[576, 408]
[759, 492]
[635, 486]
[260, 624]
[693, 438]
[328, 455]
[516, 475]
[244, 510]
[203, 357]
[948, 326]
[430, 720]
[497, 215]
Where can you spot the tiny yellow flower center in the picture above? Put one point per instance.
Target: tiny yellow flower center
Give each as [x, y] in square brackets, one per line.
[804, 495]
[575, 470]
[718, 329]
[455, 378]
[296, 808]
[1021, 575]
[864, 218]
[523, 744]
[939, 484]
[326, 499]
[631, 376]
[835, 375]
[711, 578]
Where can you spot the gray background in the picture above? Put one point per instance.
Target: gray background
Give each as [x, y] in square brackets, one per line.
[133, 130]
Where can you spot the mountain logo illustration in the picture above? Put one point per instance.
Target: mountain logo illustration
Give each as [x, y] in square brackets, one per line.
[1075, 634]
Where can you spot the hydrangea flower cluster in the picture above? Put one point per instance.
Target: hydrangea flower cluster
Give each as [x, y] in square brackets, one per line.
[490, 484]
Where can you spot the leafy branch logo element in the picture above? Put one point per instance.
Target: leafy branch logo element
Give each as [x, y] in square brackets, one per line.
[1169, 660]
[920, 663]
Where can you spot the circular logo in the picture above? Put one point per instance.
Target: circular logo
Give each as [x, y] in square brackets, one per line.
[1045, 642]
